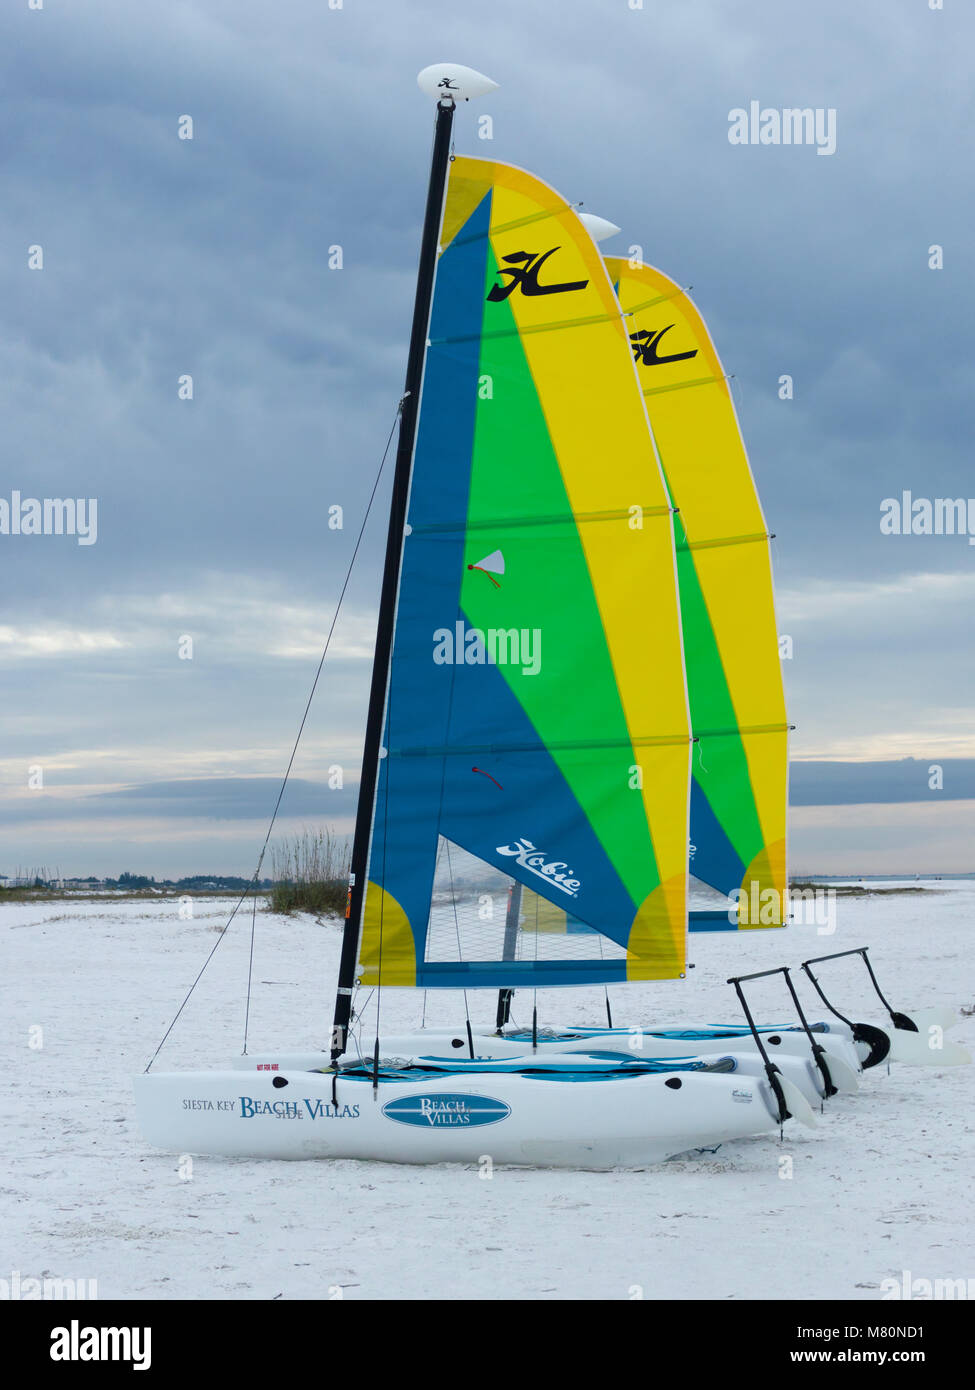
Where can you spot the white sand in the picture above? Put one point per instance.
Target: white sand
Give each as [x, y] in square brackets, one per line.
[881, 1186]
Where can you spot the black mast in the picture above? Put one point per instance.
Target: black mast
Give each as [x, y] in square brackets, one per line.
[361, 842]
[505, 996]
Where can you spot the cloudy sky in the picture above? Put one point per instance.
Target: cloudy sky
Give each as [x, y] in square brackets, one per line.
[165, 257]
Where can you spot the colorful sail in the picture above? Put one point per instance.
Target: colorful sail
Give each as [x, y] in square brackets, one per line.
[739, 791]
[537, 713]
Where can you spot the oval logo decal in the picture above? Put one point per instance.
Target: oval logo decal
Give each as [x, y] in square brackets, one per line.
[444, 1110]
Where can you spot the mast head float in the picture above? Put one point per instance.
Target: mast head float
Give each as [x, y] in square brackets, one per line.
[453, 82]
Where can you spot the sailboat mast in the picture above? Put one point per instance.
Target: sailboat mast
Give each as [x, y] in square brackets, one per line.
[361, 843]
[505, 996]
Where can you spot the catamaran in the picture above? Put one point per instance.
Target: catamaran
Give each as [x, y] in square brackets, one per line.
[528, 727]
[544, 734]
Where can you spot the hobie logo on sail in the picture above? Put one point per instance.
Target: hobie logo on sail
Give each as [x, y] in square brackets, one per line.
[533, 860]
[646, 343]
[446, 1111]
[523, 267]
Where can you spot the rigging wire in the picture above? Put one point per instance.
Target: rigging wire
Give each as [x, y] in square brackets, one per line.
[609, 1011]
[538, 901]
[460, 952]
[384, 748]
[250, 971]
[301, 727]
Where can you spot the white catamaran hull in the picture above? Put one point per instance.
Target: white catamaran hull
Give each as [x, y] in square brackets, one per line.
[415, 1049]
[788, 1048]
[637, 1043]
[926, 1048]
[507, 1118]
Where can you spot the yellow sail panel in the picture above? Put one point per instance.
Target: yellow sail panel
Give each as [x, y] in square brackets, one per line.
[387, 953]
[739, 793]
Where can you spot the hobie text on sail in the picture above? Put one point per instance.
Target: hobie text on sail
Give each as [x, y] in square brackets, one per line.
[554, 872]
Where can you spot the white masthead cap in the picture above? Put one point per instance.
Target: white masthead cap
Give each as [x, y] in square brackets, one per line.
[454, 80]
[597, 227]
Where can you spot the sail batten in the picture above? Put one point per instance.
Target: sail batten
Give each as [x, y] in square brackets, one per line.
[560, 519]
[514, 224]
[685, 385]
[589, 745]
[723, 540]
[556, 327]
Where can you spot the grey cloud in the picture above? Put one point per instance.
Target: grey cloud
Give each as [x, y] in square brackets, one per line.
[900, 781]
[210, 257]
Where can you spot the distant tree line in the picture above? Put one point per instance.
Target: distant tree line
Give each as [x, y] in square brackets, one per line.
[127, 881]
[310, 873]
